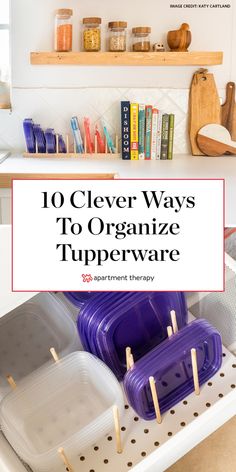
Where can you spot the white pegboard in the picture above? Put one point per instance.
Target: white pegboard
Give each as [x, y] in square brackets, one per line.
[141, 438]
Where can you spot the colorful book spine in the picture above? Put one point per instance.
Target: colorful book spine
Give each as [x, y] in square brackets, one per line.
[148, 131]
[159, 129]
[154, 133]
[141, 132]
[125, 130]
[164, 136]
[171, 136]
[134, 109]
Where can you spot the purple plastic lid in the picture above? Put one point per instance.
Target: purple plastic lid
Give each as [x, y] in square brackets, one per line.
[135, 319]
[79, 298]
[170, 365]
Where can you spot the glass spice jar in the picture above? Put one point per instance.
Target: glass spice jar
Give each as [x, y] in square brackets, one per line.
[117, 36]
[92, 34]
[63, 30]
[141, 39]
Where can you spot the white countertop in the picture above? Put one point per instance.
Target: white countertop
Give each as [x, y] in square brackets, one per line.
[182, 166]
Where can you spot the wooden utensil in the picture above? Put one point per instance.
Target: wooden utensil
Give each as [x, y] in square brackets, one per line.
[228, 110]
[215, 140]
[204, 106]
[180, 40]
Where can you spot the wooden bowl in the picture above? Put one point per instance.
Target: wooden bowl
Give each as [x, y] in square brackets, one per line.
[180, 40]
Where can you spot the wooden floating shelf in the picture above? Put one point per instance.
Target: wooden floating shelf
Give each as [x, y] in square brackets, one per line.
[69, 155]
[201, 58]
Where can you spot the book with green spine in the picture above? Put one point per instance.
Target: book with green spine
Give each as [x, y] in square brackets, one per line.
[148, 131]
[164, 136]
[141, 131]
[171, 136]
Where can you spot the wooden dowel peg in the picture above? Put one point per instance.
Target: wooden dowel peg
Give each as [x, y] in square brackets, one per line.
[116, 416]
[57, 144]
[174, 322]
[54, 354]
[67, 144]
[96, 144]
[11, 382]
[131, 361]
[195, 371]
[155, 399]
[128, 353]
[169, 331]
[65, 460]
[117, 144]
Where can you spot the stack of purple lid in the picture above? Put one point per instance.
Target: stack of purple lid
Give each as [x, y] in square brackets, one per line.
[170, 365]
[79, 298]
[109, 322]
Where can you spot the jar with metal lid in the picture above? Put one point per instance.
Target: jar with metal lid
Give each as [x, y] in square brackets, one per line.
[141, 39]
[92, 34]
[117, 36]
[63, 30]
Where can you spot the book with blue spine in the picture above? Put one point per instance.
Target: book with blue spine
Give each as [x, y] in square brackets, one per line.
[125, 130]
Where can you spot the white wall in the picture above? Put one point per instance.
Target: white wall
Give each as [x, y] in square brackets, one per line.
[46, 92]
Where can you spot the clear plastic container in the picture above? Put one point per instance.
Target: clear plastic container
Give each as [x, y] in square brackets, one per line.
[63, 30]
[141, 39]
[28, 332]
[117, 36]
[92, 34]
[68, 405]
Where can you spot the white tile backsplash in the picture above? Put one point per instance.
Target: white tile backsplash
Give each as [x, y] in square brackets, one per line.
[54, 108]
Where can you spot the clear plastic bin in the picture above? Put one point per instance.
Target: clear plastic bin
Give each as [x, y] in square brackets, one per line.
[69, 404]
[28, 332]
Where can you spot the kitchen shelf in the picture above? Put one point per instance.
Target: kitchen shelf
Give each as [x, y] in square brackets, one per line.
[201, 58]
[73, 155]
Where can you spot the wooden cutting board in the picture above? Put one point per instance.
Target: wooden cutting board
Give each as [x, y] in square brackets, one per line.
[229, 110]
[215, 140]
[204, 106]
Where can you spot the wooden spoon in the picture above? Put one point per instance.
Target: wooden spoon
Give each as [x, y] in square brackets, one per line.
[215, 140]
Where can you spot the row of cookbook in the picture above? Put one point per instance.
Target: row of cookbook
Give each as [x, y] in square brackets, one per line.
[146, 132]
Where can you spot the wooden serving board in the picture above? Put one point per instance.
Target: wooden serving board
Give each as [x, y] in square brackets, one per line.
[229, 110]
[204, 106]
[215, 140]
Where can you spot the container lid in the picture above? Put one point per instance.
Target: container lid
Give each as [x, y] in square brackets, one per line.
[64, 12]
[91, 20]
[141, 29]
[117, 24]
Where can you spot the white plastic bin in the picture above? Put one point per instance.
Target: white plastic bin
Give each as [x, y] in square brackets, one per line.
[68, 404]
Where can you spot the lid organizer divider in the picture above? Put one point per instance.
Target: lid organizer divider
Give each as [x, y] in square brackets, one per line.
[29, 331]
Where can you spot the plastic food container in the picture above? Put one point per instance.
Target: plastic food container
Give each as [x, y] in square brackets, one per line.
[28, 332]
[110, 322]
[170, 365]
[68, 405]
[79, 298]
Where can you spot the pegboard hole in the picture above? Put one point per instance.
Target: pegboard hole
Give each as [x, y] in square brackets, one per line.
[143, 454]
[208, 405]
[146, 431]
[96, 448]
[221, 395]
[172, 412]
[209, 384]
[156, 443]
[195, 414]
[106, 461]
[126, 407]
[164, 384]
[170, 433]
[232, 386]
[123, 428]
[133, 441]
[92, 470]
[234, 366]
[223, 355]
[222, 374]
[129, 464]
[178, 375]
[109, 438]
[182, 424]
[136, 418]
[185, 402]
[82, 458]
